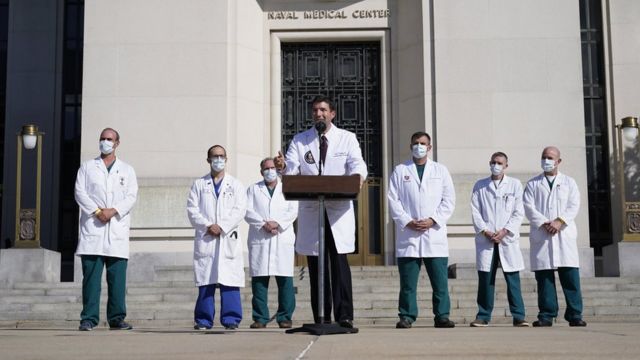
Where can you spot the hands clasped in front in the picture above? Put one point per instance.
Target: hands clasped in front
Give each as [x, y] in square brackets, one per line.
[271, 227]
[496, 237]
[421, 225]
[552, 227]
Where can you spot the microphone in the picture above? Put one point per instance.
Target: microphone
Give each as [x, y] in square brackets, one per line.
[320, 128]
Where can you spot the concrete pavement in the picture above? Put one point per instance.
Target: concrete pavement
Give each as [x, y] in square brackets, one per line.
[597, 341]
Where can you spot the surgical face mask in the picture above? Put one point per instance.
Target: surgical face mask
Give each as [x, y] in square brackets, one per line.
[547, 165]
[217, 164]
[270, 175]
[106, 147]
[419, 151]
[496, 169]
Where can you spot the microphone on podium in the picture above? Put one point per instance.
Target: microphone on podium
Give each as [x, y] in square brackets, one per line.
[320, 128]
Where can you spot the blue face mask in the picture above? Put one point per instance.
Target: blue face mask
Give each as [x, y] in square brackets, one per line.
[217, 164]
[269, 175]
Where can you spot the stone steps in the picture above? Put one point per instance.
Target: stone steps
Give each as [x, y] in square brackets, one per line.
[169, 300]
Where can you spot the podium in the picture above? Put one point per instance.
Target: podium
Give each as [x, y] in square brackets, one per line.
[321, 188]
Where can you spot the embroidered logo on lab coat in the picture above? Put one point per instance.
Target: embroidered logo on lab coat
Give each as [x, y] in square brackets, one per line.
[407, 178]
[308, 158]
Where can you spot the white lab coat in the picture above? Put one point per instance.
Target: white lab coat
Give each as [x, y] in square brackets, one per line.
[96, 187]
[217, 260]
[344, 157]
[494, 209]
[411, 199]
[542, 204]
[270, 255]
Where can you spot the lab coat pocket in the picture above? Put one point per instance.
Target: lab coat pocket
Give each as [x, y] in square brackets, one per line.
[204, 246]
[231, 244]
[92, 226]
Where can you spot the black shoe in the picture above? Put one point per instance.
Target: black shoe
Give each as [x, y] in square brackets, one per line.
[120, 325]
[577, 322]
[346, 323]
[520, 323]
[257, 325]
[542, 323]
[444, 323]
[287, 324]
[231, 327]
[85, 325]
[403, 324]
[201, 327]
[479, 323]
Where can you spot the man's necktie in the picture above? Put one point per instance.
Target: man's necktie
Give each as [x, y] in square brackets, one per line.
[323, 149]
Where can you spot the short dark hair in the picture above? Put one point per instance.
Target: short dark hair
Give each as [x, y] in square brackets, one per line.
[324, 99]
[499, 153]
[419, 134]
[264, 161]
[217, 146]
[114, 131]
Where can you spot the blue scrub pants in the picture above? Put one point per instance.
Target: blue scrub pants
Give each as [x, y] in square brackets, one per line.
[548, 298]
[230, 305]
[487, 290]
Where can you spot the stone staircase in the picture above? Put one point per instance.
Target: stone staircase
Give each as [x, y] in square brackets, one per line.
[169, 300]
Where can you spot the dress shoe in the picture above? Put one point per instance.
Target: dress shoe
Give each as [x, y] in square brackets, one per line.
[85, 325]
[120, 325]
[479, 323]
[542, 323]
[346, 323]
[403, 324]
[257, 325]
[520, 323]
[444, 323]
[577, 322]
[287, 324]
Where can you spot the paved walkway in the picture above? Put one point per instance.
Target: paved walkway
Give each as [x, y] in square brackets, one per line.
[597, 341]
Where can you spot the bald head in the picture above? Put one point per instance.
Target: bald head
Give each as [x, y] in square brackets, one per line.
[551, 151]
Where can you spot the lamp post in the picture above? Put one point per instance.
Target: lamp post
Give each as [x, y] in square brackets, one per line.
[28, 220]
[628, 128]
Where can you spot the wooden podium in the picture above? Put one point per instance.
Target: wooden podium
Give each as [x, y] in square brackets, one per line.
[321, 188]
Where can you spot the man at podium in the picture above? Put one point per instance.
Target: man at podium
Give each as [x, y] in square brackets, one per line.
[326, 149]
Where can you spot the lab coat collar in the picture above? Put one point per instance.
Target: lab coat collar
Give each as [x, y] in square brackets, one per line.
[265, 189]
[100, 164]
[543, 181]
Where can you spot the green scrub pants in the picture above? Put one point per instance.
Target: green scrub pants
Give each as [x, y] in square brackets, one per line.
[487, 289]
[286, 298]
[409, 269]
[548, 298]
[91, 286]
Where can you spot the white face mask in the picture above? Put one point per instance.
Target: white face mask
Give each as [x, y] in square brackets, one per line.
[547, 165]
[496, 169]
[419, 151]
[106, 147]
[269, 175]
[217, 164]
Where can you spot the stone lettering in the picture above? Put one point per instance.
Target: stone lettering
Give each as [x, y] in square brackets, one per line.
[329, 14]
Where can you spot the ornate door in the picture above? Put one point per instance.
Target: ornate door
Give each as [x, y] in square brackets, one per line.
[348, 73]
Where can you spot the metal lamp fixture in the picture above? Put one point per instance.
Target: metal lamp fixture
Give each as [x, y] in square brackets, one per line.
[628, 129]
[28, 220]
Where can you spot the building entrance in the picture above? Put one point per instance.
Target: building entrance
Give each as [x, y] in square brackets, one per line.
[348, 73]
